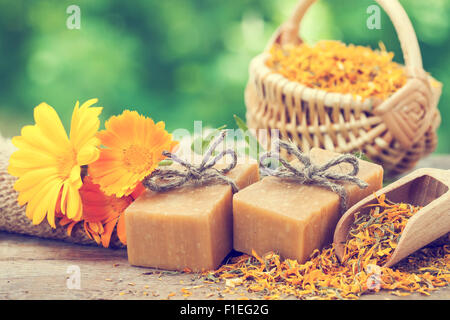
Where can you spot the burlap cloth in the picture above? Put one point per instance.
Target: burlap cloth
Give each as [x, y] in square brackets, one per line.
[13, 218]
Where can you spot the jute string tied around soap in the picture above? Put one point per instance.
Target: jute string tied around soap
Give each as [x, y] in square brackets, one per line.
[312, 174]
[167, 179]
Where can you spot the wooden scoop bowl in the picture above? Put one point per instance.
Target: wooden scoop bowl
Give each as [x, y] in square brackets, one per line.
[428, 188]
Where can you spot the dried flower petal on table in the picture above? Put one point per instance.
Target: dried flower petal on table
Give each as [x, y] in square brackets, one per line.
[325, 277]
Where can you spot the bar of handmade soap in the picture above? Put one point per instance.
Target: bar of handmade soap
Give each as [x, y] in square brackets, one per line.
[292, 219]
[189, 227]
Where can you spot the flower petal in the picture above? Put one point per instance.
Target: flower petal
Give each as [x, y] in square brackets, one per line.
[75, 177]
[121, 229]
[107, 232]
[87, 155]
[85, 123]
[50, 124]
[35, 177]
[53, 200]
[38, 206]
[74, 206]
[134, 146]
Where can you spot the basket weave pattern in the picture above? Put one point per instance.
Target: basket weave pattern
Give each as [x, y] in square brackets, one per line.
[396, 132]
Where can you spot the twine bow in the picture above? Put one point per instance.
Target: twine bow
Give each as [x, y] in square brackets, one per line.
[313, 174]
[162, 180]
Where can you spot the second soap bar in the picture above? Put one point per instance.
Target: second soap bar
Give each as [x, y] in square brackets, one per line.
[292, 219]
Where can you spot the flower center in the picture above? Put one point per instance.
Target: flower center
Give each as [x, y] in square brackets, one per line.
[66, 162]
[137, 159]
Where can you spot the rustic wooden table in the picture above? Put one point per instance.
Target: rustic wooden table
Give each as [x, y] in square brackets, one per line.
[33, 268]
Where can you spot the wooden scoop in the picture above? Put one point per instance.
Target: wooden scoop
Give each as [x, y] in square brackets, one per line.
[428, 188]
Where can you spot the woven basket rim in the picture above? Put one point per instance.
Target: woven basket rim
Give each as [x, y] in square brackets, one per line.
[258, 66]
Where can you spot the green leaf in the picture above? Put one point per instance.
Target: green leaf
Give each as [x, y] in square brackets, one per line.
[165, 162]
[361, 155]
[253, 148]
[200, 144]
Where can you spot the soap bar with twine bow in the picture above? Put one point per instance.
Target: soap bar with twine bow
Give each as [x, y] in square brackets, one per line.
[184, 219]
[295, 208]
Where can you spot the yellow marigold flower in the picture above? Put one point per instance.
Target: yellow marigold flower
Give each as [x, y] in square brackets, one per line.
[48, 163]
[133, 148]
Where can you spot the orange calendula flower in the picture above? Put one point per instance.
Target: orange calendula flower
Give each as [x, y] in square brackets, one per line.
[102, 213]
[48, 162]
[133, 148]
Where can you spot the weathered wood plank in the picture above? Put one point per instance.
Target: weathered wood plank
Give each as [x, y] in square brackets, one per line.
[32, 268]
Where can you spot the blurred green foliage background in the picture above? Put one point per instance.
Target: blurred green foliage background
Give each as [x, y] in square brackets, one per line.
[178, 60]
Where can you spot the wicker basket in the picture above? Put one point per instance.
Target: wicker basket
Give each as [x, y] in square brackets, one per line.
[395, 133]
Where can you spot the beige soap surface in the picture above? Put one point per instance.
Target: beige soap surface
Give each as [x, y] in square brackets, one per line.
[188, 227]
[294, 219]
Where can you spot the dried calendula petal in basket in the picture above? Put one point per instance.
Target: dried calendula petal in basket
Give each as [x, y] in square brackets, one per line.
[336, 67]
